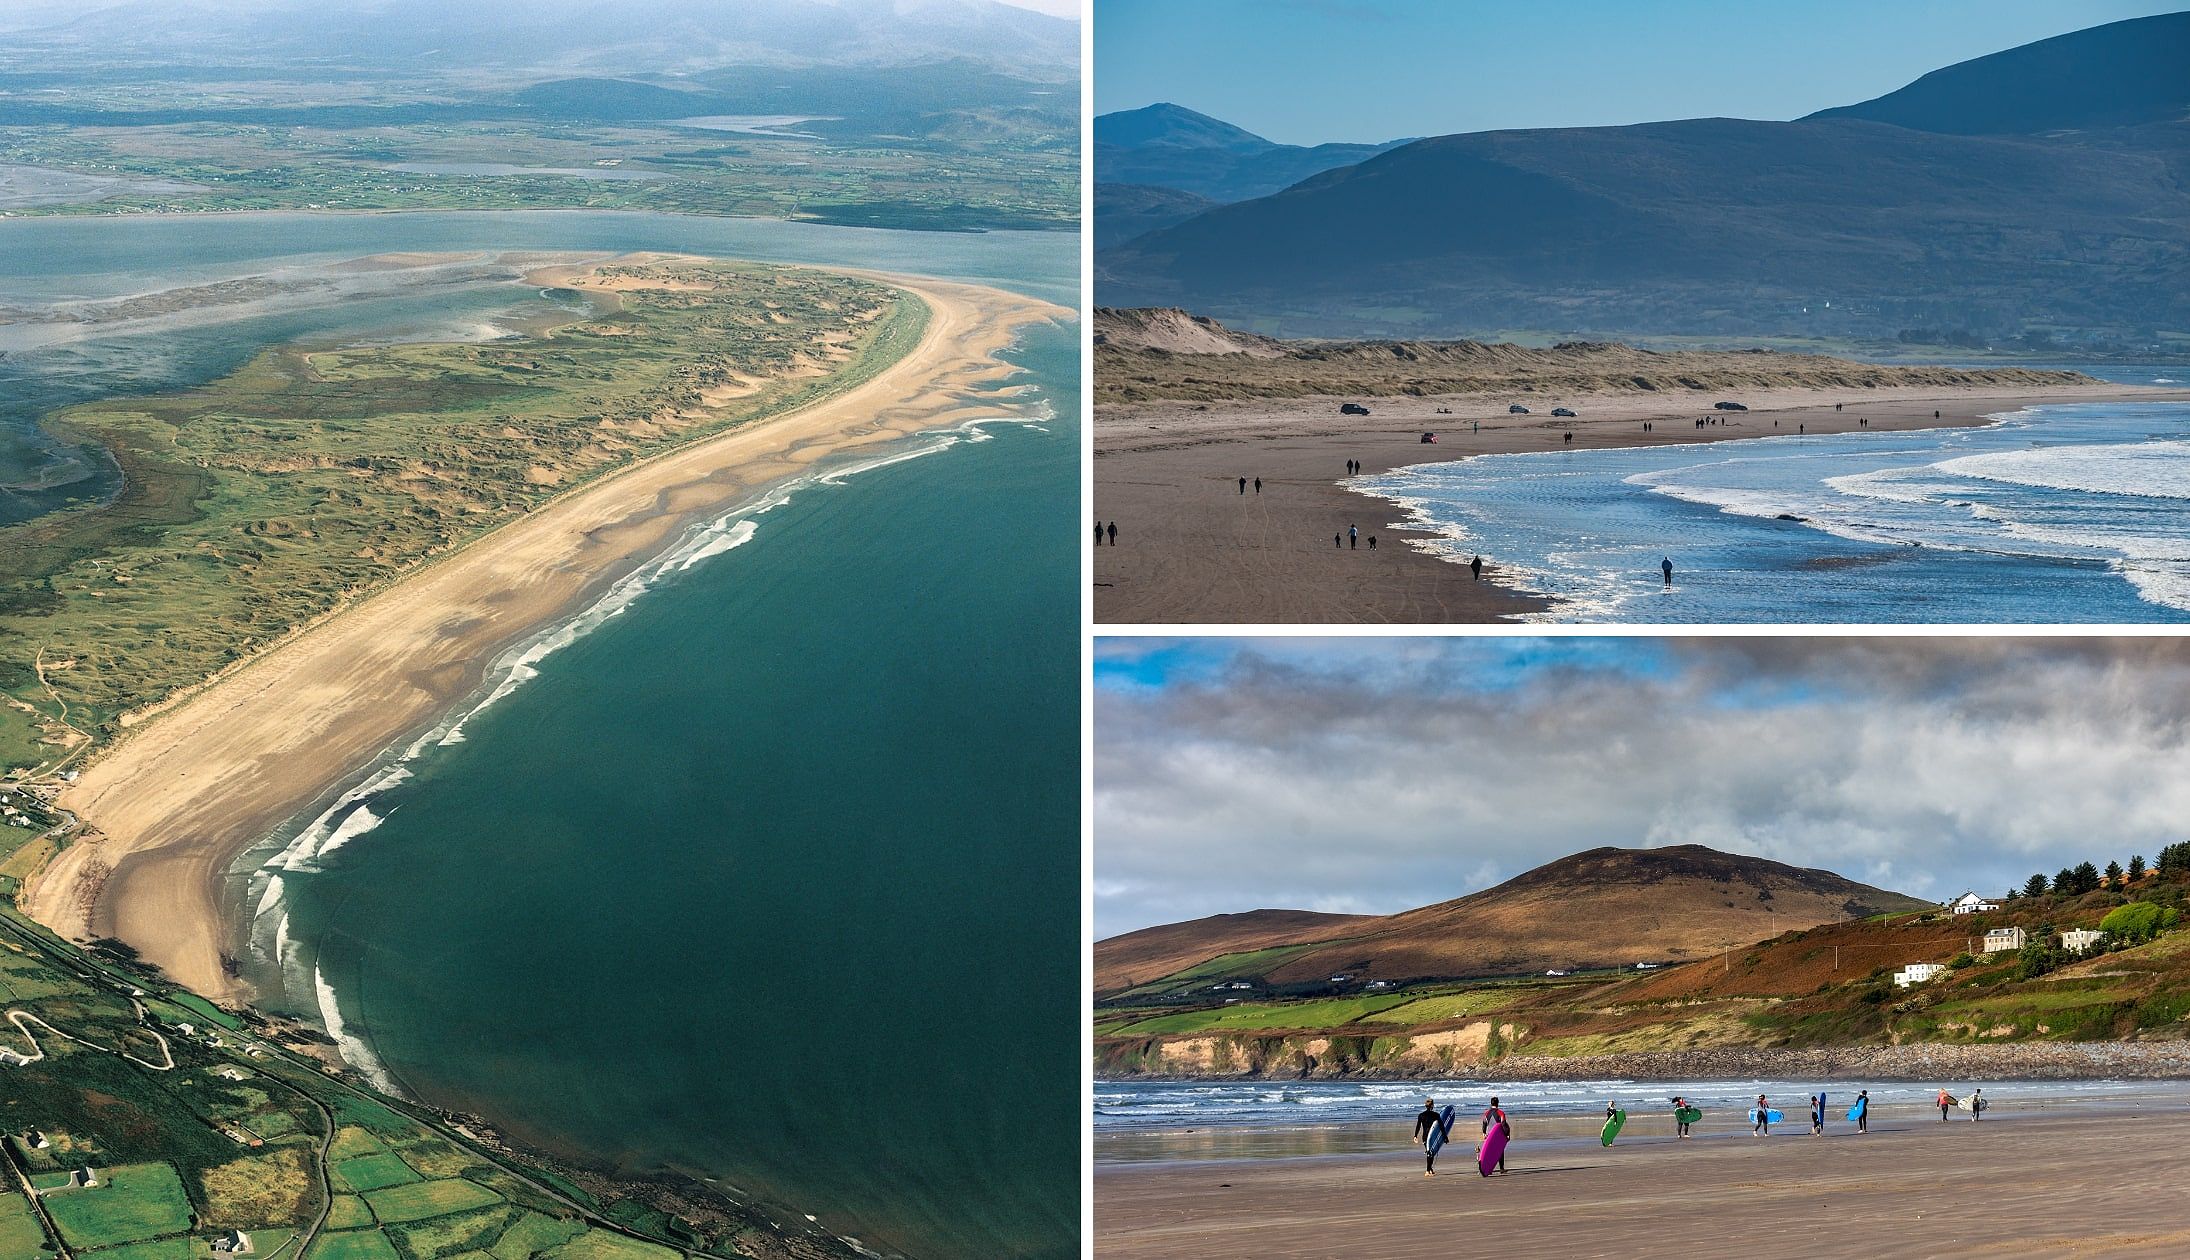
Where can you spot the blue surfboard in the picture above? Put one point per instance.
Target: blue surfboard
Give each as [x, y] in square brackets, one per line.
[1774, 1116]
[1861, 1105]
[1443, 1132]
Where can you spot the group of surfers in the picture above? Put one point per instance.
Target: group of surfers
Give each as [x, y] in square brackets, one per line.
[1430, 1123]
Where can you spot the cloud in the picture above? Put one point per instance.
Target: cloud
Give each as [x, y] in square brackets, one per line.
[1379, 774]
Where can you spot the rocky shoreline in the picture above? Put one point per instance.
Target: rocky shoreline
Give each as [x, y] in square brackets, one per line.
[2031, 1061]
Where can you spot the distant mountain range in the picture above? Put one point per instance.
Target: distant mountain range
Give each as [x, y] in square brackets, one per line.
[2047, 187]
[599, 36]
[1601, 908]
[1170, 146]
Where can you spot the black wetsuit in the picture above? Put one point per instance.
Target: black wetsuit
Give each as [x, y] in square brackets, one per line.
[1503, 1123]
[1424, 1125]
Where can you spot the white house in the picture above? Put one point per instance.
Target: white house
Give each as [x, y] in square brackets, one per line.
[1917, 973]
[2079, 940]
[2004, 938]
[1971, 903]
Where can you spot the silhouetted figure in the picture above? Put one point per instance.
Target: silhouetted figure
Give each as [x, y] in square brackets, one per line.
[1475, 566]
[1353, 537]
[1258, 485]
[1098, 533]
[1666, 566]
[1372, 542]
[1243, 485]
[1338, 541]
[1114, 533]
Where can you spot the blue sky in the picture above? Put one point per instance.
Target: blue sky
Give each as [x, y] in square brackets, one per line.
[1311, 71]
[1371, 775]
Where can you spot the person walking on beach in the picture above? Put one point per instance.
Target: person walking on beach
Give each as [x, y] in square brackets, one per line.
[1946, 1104]
[1817, 1115]
[1475, 566]
[1665, 566]
[1976, 1105]
[1372, 542]
[1243, 486]
[1258, 485]
[1680, 1108]
[1494, 1114]
[1353, 536]
[1760, 1122]
[1098, 533]
[1863, 1113]
[1425, 1124]
[1114, 533]
[1338, 541]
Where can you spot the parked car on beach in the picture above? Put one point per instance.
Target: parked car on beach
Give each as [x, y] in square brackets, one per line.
[1728, 406]
[1517, 410]
[1561, 411]
[1352, 409]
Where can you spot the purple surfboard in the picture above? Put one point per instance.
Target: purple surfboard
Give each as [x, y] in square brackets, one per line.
[1494, 1145]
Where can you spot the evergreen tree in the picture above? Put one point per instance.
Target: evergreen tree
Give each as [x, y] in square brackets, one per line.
[2035, 886]
[2136, 867]
[2064, 883]
[2087, 878]
[2113, 874]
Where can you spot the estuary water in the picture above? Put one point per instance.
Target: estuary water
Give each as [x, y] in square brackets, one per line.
[764, 869]
[2049, 514]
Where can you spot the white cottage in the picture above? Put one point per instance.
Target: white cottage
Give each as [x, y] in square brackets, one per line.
[2081, 940]
[1971, 903]
[1917, 973]
[2001, 939]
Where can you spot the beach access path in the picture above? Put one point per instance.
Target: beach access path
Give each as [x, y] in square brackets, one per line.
[172, 804]
[1192, 549]
[2103, 1184]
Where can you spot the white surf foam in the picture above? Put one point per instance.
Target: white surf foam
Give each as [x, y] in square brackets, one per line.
[353, 1049]
[2147, 470]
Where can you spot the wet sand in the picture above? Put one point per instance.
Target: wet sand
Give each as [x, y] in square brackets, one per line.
[176, 800]
[2052, 1185]
[1192, 549]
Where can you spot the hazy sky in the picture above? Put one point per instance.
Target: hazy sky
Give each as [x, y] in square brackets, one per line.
[1310, 71]
[1375, 775]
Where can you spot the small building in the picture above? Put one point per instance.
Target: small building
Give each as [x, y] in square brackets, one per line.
[1917, 973]
[1340, 978]
[86, 1178]
[1380, 984]
[1554, 972]
[2001, 939]
[1971, 903]
[36, 1140]
[12, 1058]
[235, 1243]
[2081, 940]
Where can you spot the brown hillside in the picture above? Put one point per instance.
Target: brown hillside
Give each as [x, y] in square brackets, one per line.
[1605, 907]
[1153, 953]
[1146, 354]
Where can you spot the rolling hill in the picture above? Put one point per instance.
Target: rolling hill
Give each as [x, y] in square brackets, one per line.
[1601, 908]
[1855, 222]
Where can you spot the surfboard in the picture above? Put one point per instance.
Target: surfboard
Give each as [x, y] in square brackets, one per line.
[1441, 1132]
[1971, 1103]
[1494, 1145]
[1774, 1116]
[1688, 1115]
[1612, 1127]
[1861, 1105]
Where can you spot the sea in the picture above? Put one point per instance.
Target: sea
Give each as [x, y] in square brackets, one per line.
[762, 869]
[1143, 1121]
[2047, 514]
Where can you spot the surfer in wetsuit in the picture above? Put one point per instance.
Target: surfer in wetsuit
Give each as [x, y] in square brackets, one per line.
[1946, 1104]
[1424, 1125]
[1680, 1126]
[1863, 1117]
[1976, 1105]
[1817, 1115]
[1496, 1115]
[1761, 1125]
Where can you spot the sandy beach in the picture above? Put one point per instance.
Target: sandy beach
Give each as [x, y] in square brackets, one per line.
[1192, 549]
[2097, 1184]
[177, 799]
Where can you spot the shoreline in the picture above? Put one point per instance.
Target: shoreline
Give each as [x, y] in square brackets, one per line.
[2023, 1185]
[1192, 550]
[174, 802]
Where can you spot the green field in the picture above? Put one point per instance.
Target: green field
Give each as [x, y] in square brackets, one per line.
[361, 1245]
[1326, 1013]
[309, 477]
[372, 1172]
[1444, 1006]
[421, 1200]
[131, 1202]
[20, 1233]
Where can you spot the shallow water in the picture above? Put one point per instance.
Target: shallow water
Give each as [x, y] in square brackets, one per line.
[2052, 514]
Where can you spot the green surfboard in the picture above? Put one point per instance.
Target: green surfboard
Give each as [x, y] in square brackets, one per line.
[1688, 1115]
[1612, 1126]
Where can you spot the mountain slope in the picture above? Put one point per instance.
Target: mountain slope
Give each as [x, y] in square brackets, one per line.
[1152, 953]
[2118, 75]
[1601, 908]
[1170, 146]
[1702, 226]
[1124, 211]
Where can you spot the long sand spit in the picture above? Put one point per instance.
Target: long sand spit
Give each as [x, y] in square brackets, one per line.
[2102, 1184]
[171, 805]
